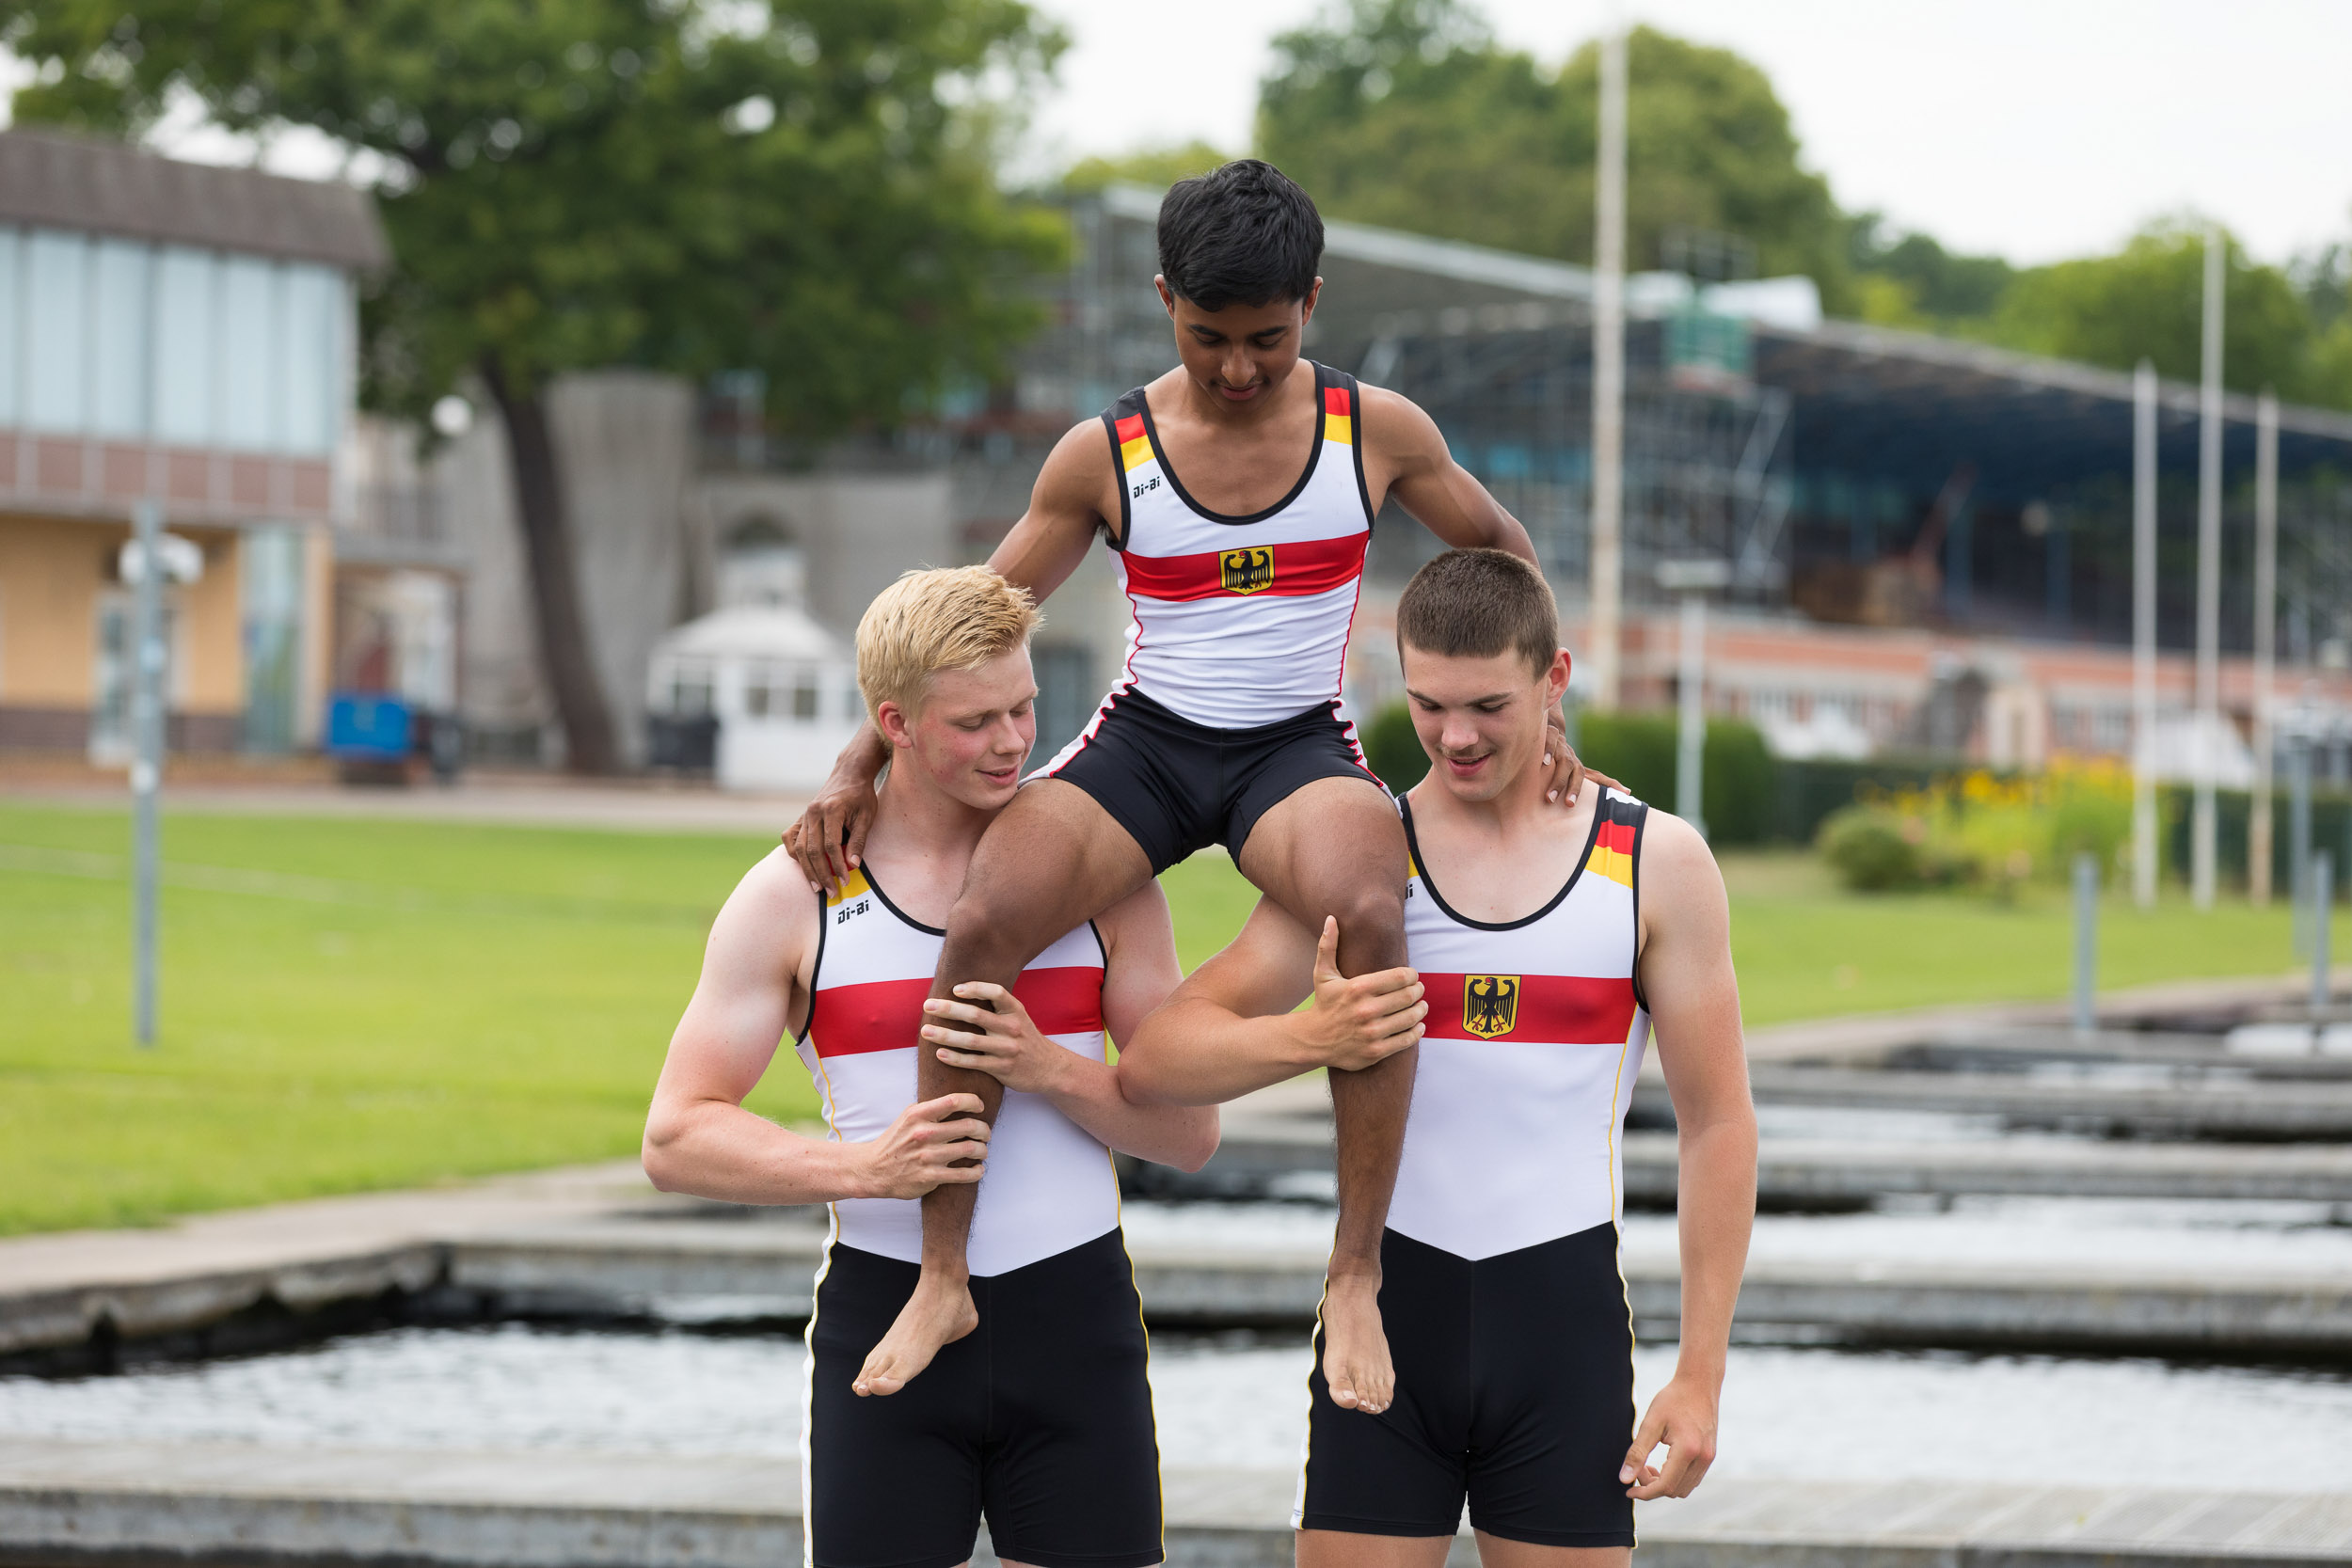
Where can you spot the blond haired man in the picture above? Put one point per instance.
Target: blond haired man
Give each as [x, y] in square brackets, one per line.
[1040, 1419]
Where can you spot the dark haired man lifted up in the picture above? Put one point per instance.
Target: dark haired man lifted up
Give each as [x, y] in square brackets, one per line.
[1547, 944]
[1237, 494]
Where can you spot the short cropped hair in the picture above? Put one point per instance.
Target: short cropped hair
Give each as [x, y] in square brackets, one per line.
[1240, 234]
[945, 618]
[1475, 604]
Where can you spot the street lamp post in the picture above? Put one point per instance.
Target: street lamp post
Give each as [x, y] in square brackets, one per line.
[1692, 581]
[2203, 757]
[2145, 634]
[2258, 825]
[1607, 564]
[147, 662]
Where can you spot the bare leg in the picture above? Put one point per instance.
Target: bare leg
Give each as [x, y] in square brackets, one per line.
[1053, 858]
[1333, 1548]
[1495, 1552]
[1336, 847]
[1330, 1548]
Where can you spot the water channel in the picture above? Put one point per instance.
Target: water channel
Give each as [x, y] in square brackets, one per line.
[1239, 1398]
[1232, 1400]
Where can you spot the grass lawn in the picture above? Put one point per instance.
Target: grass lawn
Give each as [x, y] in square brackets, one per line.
[350, 1004]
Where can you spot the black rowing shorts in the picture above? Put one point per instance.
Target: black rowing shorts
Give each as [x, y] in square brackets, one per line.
[1514, 1393]
[1039, 1418]
[1177, 786]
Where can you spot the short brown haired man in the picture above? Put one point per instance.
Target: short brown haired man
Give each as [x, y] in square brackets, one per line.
[1545, 945]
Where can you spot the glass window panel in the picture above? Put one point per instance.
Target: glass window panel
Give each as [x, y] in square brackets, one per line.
[310, 352]
[183, 346]
[118, 278]
[243, 354]
[56, 332]
[804, 694]
[11, 304]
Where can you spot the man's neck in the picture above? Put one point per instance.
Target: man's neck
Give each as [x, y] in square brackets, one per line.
[1517, 810]
[1202, 403]
[915, 819]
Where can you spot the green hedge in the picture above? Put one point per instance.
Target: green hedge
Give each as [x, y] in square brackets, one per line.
[1741, 787]
[1393, 749]
[2331, 828]
[1752, 796]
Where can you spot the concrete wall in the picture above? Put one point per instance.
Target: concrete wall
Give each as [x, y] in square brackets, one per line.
[53, 573]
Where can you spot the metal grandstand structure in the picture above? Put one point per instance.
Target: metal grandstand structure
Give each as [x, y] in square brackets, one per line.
[1813, 455]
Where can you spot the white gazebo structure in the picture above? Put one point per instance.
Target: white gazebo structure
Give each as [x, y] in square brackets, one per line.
[783, 688]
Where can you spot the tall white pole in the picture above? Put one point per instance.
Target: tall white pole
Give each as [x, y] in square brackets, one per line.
[1608, 538]
[147, 660]
[2145, 634]
[1691, 742]
[2204, 756]
[2265, 639]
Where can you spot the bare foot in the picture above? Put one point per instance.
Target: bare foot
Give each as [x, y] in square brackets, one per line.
[1355, 1348]
[937, 1314]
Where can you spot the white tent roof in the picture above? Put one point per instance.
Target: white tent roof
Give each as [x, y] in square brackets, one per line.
[753, 631]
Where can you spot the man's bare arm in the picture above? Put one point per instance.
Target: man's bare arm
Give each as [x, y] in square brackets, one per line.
[1039, 554]
[1229, 1027]
[698, 1137]
[1139, 972]
[1693, 993]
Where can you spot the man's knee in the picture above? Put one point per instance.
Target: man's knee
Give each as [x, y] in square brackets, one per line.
[991, 928]
[1371, 921]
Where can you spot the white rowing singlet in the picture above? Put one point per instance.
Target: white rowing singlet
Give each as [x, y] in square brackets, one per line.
[1535, 1036]
[1049, 1185]
[1241, 621]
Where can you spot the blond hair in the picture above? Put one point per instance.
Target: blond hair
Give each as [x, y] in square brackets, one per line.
[944, 618]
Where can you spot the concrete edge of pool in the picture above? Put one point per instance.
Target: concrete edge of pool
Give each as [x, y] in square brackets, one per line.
[686, 1270]
[135, 1504]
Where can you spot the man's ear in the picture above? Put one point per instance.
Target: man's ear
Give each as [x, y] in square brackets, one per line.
[1556, 678]
[897, 726]
[1168, 296]
[1307, 311]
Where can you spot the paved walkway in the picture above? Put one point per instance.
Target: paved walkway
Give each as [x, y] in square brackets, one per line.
[135, 1504]
[534, 800]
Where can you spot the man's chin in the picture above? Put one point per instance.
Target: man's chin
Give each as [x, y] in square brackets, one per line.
[983, 793]
[1479, 788]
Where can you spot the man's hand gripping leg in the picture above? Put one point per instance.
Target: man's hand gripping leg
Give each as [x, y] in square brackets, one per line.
[1051, 861]
[1336, 847]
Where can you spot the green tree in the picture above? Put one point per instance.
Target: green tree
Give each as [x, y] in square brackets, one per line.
[2148, 300]
[1911, 280]
[1407, 113]
[1156, 167]
[803, 187]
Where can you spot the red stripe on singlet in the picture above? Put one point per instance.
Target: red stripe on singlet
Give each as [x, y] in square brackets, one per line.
[1617, 836]
[1551, 1010]
[1311, 567]
[884, 1015]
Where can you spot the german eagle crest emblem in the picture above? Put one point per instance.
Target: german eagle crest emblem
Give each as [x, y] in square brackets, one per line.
[1491, 1005]
[1247, 571]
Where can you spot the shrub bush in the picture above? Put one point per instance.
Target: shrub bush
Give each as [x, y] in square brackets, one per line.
[1869, 850]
